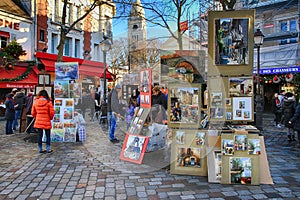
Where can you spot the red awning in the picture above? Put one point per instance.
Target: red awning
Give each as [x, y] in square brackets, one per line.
[4, 34]
[86, 67]
[27, 82]
[110, 76]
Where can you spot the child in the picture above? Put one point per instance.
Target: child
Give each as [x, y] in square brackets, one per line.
[130, 111]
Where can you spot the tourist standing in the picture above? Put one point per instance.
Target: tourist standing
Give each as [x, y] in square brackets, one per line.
[19, 99]
[43, 112]
[288, 110]
[9, 113]
[277, 110]
[114, 110]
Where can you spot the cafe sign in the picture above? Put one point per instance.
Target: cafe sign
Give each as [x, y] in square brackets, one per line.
[9, 24]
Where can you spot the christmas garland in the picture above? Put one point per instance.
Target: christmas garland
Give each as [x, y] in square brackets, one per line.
[19, 78]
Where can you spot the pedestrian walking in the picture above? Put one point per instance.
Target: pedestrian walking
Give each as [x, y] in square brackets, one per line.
[19, 99]
[9, 113]
[114, 110]
[277, 110]
[43, 112]
[288, 110]
[295, 121]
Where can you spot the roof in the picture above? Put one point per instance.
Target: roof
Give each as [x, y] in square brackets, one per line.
[13, 7]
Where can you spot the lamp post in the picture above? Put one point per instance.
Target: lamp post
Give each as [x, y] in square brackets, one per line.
[258, 41]
[105, 46]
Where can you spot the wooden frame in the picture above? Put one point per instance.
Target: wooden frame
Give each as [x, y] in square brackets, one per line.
[188, 155]
[44, 79]
[134, 148]
[145, 88]
[230, 38]
[234, 164]
[184, 108]
[242, 109]
[37, 89]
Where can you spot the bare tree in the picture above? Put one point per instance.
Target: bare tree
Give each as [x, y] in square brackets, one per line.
[162, 14]
[65, 29]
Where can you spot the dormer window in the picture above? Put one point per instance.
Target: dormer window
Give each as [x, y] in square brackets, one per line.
[135, 26]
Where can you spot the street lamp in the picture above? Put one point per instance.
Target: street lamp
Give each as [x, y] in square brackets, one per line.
[105, 46]
[258, 41]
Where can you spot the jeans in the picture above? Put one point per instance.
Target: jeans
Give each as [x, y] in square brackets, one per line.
[40, 137]
[8, 126]
[17, 116]
[112, 123]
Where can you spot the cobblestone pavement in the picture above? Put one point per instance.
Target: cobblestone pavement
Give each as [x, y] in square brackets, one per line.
[93, 170]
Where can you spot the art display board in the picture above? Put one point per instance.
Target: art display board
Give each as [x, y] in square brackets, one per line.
[138, 120]
[182, 66]
[134, 148]
[240, 158]
[230, 42]
[37, 89]
[44, 79]
[66, 71]
[184, 110]
[63, 125]
[128, 91]
[188, 152]
[145, 88]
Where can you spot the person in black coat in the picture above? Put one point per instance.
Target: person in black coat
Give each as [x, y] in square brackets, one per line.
[288, 110]
[159, 105]
[295, 120]
[9, 113]
[277, 109]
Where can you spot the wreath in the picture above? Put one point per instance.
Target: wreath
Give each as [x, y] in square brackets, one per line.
[276, 79]
[289, 77]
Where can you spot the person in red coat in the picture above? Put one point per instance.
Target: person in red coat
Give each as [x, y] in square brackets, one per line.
[43, 112]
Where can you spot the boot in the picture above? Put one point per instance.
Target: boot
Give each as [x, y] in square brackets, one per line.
[290, 138]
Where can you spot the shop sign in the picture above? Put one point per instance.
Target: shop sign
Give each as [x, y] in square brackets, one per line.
[280, 70]
[8, 85]
[8, 23]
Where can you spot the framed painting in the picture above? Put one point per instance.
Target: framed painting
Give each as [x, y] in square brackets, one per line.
[242, 86]
[230, 41]
[145, 88]
[184, 106]
[182, 66]
[39, 88]
[188, 152]
[66, 71]
[134, 148]
[44, 79]
[242, 108]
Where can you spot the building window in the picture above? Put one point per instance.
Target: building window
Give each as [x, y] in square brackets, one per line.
[288, 26]
[68, 46]
[42, 35]
[4, 41]
[135, 26]
[54, 42]
[77, 48]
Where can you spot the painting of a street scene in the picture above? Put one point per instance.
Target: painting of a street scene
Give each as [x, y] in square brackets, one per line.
[227, 147]
[240, 170]
[184, 108]
[231, 41]
[254, 147]
[240, 87]
[182, 66]
[134, 148]
[188, 157]
[240, 142]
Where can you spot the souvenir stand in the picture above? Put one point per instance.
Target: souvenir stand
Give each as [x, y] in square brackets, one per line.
[235, 147]
[66, 91]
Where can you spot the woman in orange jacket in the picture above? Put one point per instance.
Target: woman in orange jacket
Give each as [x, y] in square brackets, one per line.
[43, 112]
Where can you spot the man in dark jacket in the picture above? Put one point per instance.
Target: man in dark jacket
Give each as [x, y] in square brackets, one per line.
[114, 110]
[295, 120]
[19, 99]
